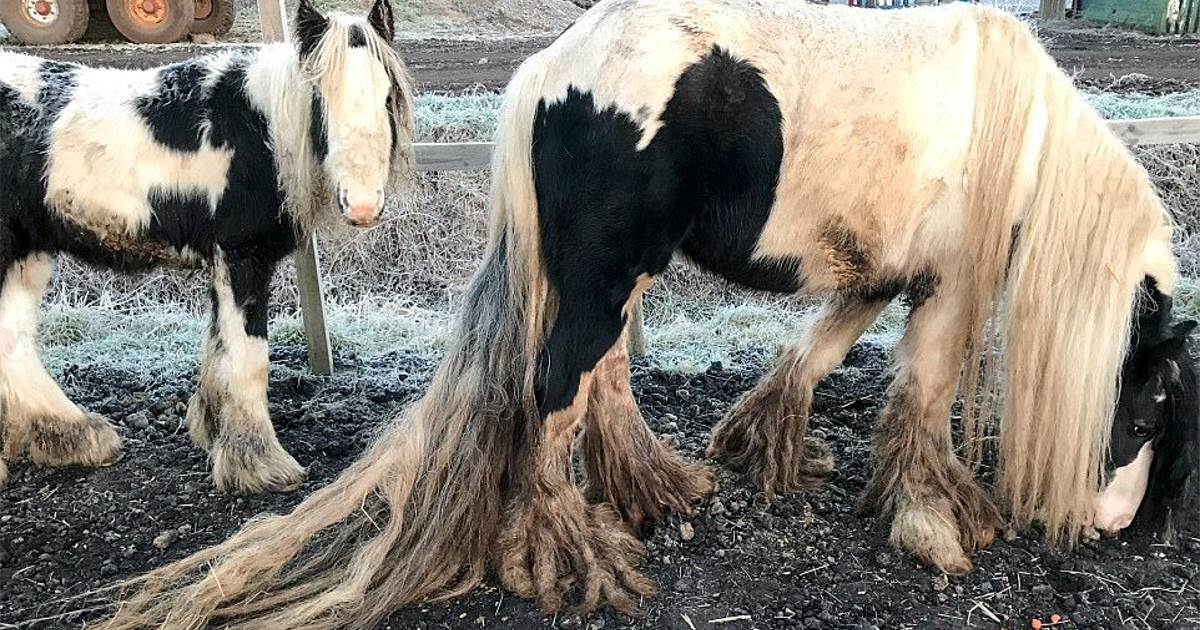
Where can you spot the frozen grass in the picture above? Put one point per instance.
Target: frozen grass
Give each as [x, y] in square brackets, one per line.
[1123, 106]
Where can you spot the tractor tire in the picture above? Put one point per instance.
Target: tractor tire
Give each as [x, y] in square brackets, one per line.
[45, 21]
[214, 17]
[152, 21]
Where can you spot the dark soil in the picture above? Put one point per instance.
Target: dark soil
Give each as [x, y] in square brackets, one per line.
[804, 561]
[1099, 58]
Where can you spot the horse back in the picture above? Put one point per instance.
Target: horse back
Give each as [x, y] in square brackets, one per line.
[798, 159]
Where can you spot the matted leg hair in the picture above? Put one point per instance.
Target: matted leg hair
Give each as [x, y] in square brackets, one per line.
[552, 537]
[627, 465]
[228, 414]
[939, 512]
[765, 431]
[38, 418]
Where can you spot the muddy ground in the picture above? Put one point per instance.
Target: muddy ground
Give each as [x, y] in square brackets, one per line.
[1097, 57]
[804, 561]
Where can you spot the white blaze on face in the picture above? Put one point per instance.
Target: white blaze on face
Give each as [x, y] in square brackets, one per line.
[1118, 502]
[359, 136]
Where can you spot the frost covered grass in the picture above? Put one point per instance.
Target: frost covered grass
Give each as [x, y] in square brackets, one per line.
[1123, 106]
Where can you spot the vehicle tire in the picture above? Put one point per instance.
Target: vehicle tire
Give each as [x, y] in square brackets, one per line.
[152, 21]
[45, 21]
[214, 17]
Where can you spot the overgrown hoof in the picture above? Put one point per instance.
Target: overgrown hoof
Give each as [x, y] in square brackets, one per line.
[84, 440]
[203, 420]
[941, 520]
[553, 544]
[253, 463]
[642, 484]
[764, 439]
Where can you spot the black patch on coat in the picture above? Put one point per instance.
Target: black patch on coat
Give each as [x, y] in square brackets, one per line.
[357, 38]
[176, 111]
[922, 286]
[317, 132]
[609, 212]
[59, 81]
[249, 223]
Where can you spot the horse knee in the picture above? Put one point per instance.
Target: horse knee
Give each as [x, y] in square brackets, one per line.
[581, 336]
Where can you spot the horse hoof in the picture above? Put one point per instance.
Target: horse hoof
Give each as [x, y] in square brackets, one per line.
[84, 440]
[252, 464]
[551, 544]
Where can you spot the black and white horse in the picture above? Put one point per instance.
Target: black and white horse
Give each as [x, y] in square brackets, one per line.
[1153, 468]
[222, 162]
[737, 132]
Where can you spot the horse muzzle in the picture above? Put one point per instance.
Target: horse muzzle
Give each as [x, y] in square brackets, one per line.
[361, 208]
[1118, 503]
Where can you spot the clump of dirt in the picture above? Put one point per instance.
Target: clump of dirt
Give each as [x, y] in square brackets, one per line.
[741, 562]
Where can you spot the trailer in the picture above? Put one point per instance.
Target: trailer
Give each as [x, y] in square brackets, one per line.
[140, 21]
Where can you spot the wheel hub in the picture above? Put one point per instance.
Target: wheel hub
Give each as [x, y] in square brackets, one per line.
[147, 11]
[204, 9]
[41, 11]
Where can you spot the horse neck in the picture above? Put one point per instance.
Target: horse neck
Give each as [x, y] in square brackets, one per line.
[280, 88]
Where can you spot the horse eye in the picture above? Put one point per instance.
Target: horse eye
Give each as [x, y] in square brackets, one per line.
[1142, 431]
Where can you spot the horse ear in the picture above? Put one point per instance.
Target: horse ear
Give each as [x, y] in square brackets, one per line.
[310, 27]
[382, 20]
[1183, 329]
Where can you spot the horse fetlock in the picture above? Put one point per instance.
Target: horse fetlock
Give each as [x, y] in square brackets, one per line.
[85, 439]
[203, 419]
[641, 477]
[554, 541]
[764, 434]
[253, 463]
[939, 518]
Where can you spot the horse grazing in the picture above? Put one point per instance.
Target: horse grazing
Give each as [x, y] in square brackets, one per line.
[223, 162]
[1019, 228]
[1153, 470]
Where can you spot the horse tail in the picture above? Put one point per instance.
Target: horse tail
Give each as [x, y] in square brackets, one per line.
[1065, 234]
[415, 517]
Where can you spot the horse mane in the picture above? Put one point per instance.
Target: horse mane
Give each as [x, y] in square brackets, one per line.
[1067, 225]
[301, 179]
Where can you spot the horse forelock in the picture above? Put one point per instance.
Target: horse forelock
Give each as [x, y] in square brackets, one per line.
[327, 64]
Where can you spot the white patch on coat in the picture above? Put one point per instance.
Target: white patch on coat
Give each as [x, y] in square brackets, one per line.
[26, 389]
[1118, 502]
[104, 162]
[20, 72]
[1160, 263]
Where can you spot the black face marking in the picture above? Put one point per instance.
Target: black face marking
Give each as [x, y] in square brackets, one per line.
[1159, 404]
[609, 212]
[316, 128]
[311, 26]
[358, 38]
[176, 111]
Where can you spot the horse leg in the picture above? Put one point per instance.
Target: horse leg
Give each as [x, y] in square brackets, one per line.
[939, 510]
[764, 432]
[36, 417]
[228, 412]
[552, 536]
[626, 464]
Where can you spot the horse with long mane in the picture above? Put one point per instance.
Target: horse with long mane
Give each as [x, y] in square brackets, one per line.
[1020, 229]
[224, 162]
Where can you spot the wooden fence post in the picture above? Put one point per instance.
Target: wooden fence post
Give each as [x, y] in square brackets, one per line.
[1052, 10]
[308, 268]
